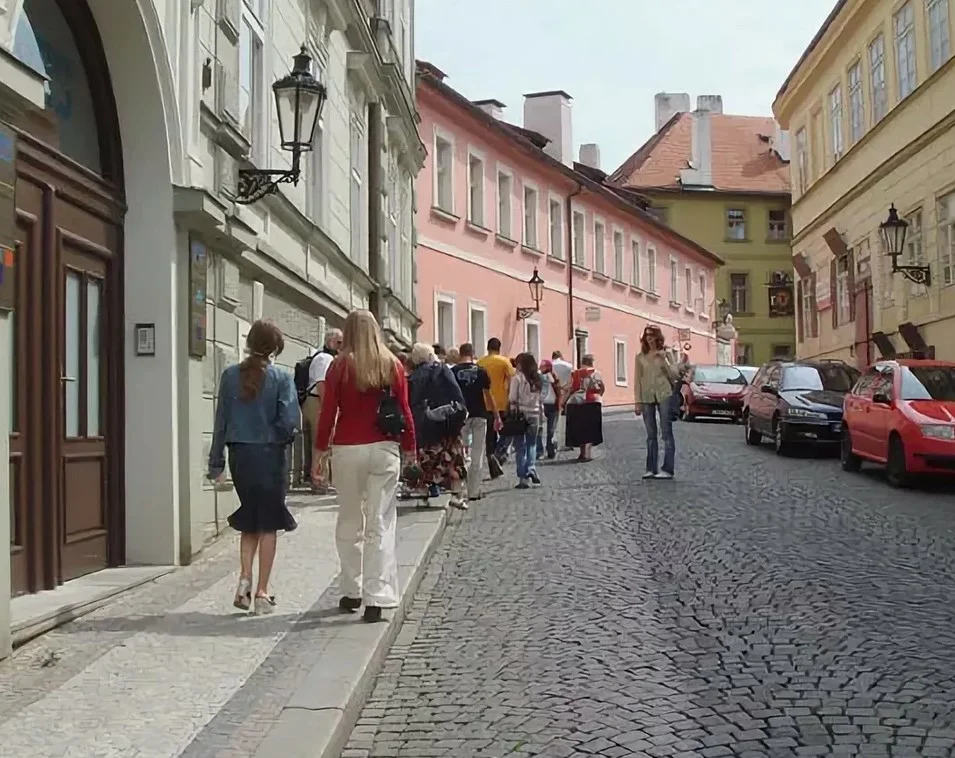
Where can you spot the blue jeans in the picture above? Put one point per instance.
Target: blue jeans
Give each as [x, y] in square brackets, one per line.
[551, 415]
[650, 412]
[526, 447]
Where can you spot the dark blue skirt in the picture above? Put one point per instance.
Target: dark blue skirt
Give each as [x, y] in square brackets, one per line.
[260, 476]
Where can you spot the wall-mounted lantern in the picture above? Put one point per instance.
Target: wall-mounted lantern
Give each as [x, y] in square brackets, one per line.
[536, 286]
[299, 98]
[723, 309]
[892, 232]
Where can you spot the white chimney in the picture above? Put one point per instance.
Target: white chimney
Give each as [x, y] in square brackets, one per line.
[700, 172]
[491, 107]
[710, 103]
[780, 142]
[590, 155]
[548, 113]
[668, 104]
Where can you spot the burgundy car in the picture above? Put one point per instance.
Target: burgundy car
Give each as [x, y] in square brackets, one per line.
[713, 392]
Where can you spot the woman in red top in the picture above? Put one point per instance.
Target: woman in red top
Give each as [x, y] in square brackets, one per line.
[584, 409]
[364, 380]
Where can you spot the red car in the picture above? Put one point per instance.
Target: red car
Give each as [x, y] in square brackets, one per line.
[901, 414]
[714, 392]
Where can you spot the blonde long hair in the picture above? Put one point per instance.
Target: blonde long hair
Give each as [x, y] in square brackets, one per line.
[364, 351]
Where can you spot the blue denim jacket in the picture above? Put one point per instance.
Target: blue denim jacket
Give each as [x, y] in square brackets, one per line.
[271, 419]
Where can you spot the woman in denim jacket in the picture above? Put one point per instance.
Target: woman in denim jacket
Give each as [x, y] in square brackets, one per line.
[257, 415]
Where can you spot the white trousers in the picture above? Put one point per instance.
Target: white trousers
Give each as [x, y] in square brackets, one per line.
[366, 477]
[474, 437]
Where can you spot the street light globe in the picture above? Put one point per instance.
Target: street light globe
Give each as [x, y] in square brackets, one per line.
[299, 98]
[892, 233]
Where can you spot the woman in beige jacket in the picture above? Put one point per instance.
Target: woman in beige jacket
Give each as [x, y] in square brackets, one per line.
[654, 375]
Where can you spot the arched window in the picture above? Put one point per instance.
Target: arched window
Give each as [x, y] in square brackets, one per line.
[44, 41]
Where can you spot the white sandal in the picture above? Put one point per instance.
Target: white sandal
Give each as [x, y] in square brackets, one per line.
[243, 595]
[264, 605]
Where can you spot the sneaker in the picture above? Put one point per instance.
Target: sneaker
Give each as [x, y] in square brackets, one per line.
[523, 485]
[663, 475]
[349, 604]
[535, 479]
[456, 501]
[649, 475]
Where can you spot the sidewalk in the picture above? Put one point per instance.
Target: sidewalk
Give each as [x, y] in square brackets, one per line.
[171, 669]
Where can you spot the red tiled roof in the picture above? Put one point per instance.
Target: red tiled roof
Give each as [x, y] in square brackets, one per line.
[743, 160]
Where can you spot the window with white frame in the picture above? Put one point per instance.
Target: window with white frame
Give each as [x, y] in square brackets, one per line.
[620, 362]
[652, 271]
[394, 251]
[939, 33]
[739, 293]
[946, 238]
[778, 226]
[356, 206]
[476, 189]
[843, 304]
[802, 159]
[532, 338]
[835, 122]
[443, 173]
[914, 248]
[530, 216]
[736, 224]
[856, 103]
[556, 221]
[635, 275]
[477, 328]
[252, 94]
[579, 236]
[316, 183]
[880, 94]
[444, 321]
[618, 266]
[904, 23]
[406, 221]
[505, 202]
[600, 239]
[674, 281]
[688, 284]
[701, 294]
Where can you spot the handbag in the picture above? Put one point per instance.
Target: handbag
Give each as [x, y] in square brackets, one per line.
[514, 424]
[448, 417]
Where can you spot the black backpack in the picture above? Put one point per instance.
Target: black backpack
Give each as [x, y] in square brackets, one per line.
[301, 377]
[390, 420]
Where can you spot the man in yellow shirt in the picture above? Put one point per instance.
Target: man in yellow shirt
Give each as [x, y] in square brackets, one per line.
[500, 371]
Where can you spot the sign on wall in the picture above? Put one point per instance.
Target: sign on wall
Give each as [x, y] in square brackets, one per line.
[8, 218]
[198, 274]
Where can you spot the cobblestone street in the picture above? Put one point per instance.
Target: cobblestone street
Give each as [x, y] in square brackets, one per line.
[756, 606]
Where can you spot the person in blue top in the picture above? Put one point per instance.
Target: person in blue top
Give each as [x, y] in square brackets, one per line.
[257, 415]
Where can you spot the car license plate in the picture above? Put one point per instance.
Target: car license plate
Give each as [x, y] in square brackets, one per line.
[837, 426]
[724, 413]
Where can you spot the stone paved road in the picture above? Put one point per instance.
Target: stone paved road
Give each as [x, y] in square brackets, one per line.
[757, 606]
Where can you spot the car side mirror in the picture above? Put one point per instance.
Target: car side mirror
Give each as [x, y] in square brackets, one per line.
[768, 389]
[881, 398]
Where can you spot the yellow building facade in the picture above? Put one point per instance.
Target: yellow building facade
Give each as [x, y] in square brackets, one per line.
[870, 109]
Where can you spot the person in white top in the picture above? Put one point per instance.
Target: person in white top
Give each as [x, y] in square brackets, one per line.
[563, 370]
[312, 406]
[524, 398]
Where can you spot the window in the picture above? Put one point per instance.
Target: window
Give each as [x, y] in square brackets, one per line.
[252, 102]
[736, 224]
[600, 239]
[783, 352]
[802, 160]
[880, 96]
[777, 225]
[477, 327]
[444, 173]
[316, 184]
[620, 362]
[946, 237]
[938, 32]
[806, 296]
[744, 354]
[739, 293]
[444, 321]
[835, 122]
[856, 103]
[505, 201]
[532, 338]
[579, 256]
[356, 206]
[391, 227]
[914, 249]
[843, 294]
[530, 217]
[618, 265]
[905, 49]
[405, 254]
[635, 278]
[701, 301]
[652, 270]
[674, 281]
[556, 229]
[832, 377]
[688, 284]
[475, 190]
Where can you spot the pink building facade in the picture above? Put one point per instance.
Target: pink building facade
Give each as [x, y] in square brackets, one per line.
[497, 201]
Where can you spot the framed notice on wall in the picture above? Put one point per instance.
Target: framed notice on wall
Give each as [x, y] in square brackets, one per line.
[198, 274]
[8, 218]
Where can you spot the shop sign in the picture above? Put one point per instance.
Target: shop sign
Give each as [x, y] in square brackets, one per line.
[198, 275]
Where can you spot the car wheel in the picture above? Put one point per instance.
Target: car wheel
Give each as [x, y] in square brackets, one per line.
[780, 443]
[895, 469]
[850, 461]
[752, 436]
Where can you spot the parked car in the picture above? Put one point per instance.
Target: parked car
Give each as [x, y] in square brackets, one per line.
[713, 392]
[748, 372]
[901, 414]
[797, 402]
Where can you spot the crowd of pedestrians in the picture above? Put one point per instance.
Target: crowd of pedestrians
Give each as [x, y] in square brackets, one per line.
[428, 422]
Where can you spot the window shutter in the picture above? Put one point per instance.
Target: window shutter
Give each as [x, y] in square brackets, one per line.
[851, 284]
[833, 294]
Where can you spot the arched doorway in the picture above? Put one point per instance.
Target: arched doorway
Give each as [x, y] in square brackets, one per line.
[67, 429]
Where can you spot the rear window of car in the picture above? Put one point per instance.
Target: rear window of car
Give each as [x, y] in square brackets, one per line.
[928, 383]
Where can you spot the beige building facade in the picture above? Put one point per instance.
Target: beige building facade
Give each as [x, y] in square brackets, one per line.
[870, 108]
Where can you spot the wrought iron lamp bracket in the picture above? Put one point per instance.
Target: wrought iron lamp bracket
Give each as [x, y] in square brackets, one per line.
[254, 183]
[915, 274]
[525, 313]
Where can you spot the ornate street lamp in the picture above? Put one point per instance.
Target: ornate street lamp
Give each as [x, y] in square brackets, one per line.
[536, 286]
[299, 98]
[892, 232]
[723, 309]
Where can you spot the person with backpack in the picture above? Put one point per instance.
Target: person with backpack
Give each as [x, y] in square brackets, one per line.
[367, 422]
[310, 385]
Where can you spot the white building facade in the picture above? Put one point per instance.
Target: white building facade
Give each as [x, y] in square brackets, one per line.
[130, 277]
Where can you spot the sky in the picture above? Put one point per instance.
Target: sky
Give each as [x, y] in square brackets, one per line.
[613, 56]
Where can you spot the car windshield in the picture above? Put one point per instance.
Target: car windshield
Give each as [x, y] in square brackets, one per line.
[748, 373]
[718, 375]
[835, 378]
[928, 383]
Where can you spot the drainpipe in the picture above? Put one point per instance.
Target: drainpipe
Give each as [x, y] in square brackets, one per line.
[570, 260]
[376, 303]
